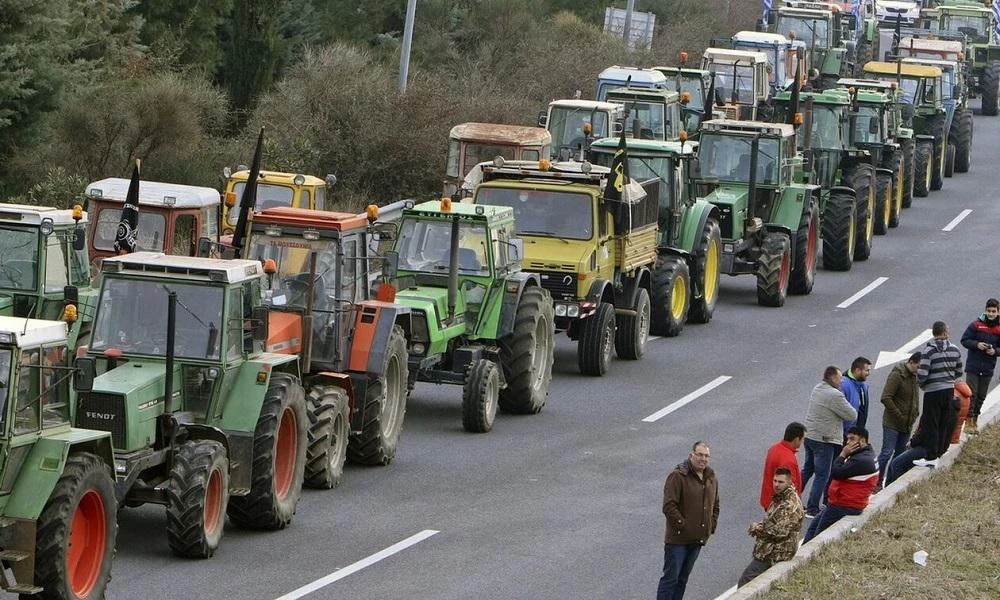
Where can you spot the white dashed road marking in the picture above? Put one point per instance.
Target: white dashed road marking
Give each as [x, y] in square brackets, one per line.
[711, 385]
[871, 286]
[954, 222]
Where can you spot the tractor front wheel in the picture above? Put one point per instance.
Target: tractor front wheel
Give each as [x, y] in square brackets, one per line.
[706, 273]
[197, 496]
[909, 148]
[597, 339]
[883, 203]
[633, 330]
[990, 84]
[385, 407]
[961, 133]
[806, 250]
[329, 429]
[480, 396]
[773, 270]
[839, 231]
[923, 169]
[528, 353]
[670, 302]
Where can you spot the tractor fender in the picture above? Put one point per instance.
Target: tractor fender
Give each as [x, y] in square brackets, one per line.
[923, 137]
[373, 325]
[239, 450]
[843, 189]
[694, 222]
[513, 286]
[883, 171]
[242, 404]
[778, 228]
[625, 297]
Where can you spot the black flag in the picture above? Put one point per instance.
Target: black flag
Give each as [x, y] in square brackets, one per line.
[248, 201]
[618, 176]
[793, 103]
[129, 223]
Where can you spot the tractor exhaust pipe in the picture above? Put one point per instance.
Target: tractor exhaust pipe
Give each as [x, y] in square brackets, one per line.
[453, 269]
[168, 385]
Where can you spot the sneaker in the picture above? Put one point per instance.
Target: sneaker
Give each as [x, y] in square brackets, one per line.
[811, 515]
[920, 462]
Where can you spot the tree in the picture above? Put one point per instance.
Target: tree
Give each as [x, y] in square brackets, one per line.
[185, 33]
[251, 54]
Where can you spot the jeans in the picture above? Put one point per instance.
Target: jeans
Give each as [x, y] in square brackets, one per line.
[893, 444]
[934, 421]
[830, 515]
[678, 560]
[980, 385]
[819, 461]
[903, 463]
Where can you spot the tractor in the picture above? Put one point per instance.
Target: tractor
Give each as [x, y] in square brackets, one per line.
[785, 57]
[978, 22]
[820, 26]
[274, 188]
[697, 90]
[58, 509]
[741, 81]
[203, 421]
[615, 77]
[574, 123]
[651, 114]
[472, 143]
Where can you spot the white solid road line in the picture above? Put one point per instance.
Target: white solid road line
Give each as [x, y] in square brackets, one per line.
[954, 222]
[361, 564]
[871, 286]
[711, 385]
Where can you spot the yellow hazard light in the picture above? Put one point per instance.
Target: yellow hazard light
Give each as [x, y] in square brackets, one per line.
[797, 118]
[682, 135]
[685, 97]
[230, 199]
[69, 313]
[386, 292]
[371, 211]
[445, 204]
[835, 9]
[544, 164]
[892, 85]
[77, 212]
[852, 90]
[684, 57]
[270, 267]
[262, 377]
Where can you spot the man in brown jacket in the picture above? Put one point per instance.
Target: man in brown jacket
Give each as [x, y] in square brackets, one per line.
[901, 398]
[691, 505]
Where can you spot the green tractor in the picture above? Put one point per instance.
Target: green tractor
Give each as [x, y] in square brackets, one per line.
[978, 22]
[202, 419]
[820, 26]
[477, 320]
[770, 224]
[58, 510]
[697, 93]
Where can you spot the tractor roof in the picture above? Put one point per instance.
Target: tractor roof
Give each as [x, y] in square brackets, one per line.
[278, 178]
[157, 264]
[501, 134]
[29, 333]
[728, 125]
[761, 37]
[587, 104]
[824, 13]
[638, 75]
[155, 193]
[870, 84]
[944, 65]
[631, 93]
[34, 215]
[728, 55]
[445, 208]
[919, 43]
[639, 146]
[840, 96]
[308, 218]
[692, 72]
[963, 8]
[905, 69]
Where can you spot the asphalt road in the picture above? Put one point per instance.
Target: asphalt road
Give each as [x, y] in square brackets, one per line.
[566, 503]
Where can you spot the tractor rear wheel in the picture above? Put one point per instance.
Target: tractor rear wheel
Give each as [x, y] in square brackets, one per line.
[480, 396]
[909, 148]
[597, 339]
[990, 84]
[329, 429]
[894, 162]
[936, 128]
[633, 330]
[76, 532]
[862, 180]
[806, 251]
[923, 169]
[883, 203]
[527, 354]
[839, 231]
[961, 134]
[949, 161]
[385, 407]
[706, 273]
[774, 269]
[197, 496]
[279, 458]
[670, 302]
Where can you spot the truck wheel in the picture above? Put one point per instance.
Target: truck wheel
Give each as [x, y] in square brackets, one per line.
[670, 306]
[76, 532]
[909, 168]
[385, 406]
[961, 133]
[949, 161]
[480, 396]
[197, 495]
[883, 203]
[706, 272]
[839, 231]
[923, 169]
[527, 354]
[861, 180]
[936, 128]
[990, 85]
[329, 429]
[597, 339]
[773, 270]
[806, 250]
[279, 458]
[633, 330]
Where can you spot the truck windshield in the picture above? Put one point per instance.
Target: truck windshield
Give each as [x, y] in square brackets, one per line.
[544, 213]
[425, 245]
[268, 196]
[727, 158]
[811, 30]
[565, 125]
[132, 317]
[18, 258]
[290, 285]
[149, 235]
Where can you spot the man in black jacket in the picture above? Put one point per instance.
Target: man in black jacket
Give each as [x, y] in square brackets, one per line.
[981, 339]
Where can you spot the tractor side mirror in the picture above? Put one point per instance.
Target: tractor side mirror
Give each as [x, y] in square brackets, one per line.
[84, 372]
[390, 264]
[79, 238]
[543, 119]
[258, 318]
[873, 125]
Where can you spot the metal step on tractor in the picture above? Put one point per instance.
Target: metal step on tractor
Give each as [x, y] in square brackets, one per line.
[978, 21]
[203, 421]
[58, 510]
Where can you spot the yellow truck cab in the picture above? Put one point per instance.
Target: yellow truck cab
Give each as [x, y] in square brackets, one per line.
[274, 188]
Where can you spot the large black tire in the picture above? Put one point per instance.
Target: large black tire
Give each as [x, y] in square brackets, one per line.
[863, 55]
[329, 430]
[279, 458]
[909, 148]
[961, 135]
[671, 300]
[990, 84]
[806, 251]
[839, 231]
[949, 161]
[862, 180]
[527, 354]
[706, 272]
[633, 330]
[936, 128]
[597, 340]
[923, 169]
[385, 407]
[84, 499]
[773, 270]
[480, 396]
[197, 496]
[883, 203]
[894, 161]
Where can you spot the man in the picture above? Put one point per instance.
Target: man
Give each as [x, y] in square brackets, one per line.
[828, 409]
[981, 338]
[852, 479]
[855, 388]
[940, 366]
[782, 455]
[691, 505]
[901, 399]
[777, 535]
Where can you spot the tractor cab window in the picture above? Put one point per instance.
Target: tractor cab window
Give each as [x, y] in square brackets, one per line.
[826, 127]
[554, 214]
[977, 28]
[185, 235]
[813, 31]
[63, 264]
[566, 126]
[475, 153]
[5, 385]
[424, 245]
[696, 88]
[27, 404]
[290, 285]
[236, 318]
[148, 235]
[861, 126]
[320, 193]
[727, 158]
[210, 222]
[268, 196]
[734, 83]
[644, 120]
[54, 386]
[18, 258]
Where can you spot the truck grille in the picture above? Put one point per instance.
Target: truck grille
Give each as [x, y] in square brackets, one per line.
[562, 286]
[103, 412]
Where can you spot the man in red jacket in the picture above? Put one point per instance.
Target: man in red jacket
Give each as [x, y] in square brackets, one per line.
[782, 454]
[853, 477]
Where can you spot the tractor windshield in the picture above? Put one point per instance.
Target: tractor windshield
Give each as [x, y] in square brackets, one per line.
[425, 245]
[132, 317]
[148, 236]
[695, 86]
[269, 195]
[290, 285]
[644, 119]
[18, 258]
[826, 127]
[566, 126]
[734, 83]
[545, 213]
[909, 88]
[976, 27]
[811, 30]
[863, 123]
[727, 158]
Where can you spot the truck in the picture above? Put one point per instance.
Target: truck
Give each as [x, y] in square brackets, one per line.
[274, 188]
[473, 143]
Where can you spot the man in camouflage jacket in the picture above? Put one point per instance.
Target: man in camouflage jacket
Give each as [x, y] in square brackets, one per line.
[778, 534]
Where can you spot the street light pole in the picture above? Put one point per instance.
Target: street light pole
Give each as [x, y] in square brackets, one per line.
[404, 55]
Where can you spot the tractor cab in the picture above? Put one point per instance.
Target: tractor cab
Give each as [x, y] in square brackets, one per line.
[697, 91]
[820, 27]
[785, 57]
[615, 77]
[472, 143]
[651, 114]
[741, 81]
[273, 189]
[574, 123]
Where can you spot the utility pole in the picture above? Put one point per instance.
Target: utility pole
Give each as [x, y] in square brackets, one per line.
[628, 24]
[404, 55]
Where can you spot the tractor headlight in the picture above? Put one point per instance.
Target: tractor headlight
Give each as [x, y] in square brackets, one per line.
[573, 310]
[560, 310]
[418, 348]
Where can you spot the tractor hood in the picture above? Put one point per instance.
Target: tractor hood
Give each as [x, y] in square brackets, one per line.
[728, 195]
[136, 379]
[554, 254]
[432, 300]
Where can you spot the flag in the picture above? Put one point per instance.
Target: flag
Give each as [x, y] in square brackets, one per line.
[995, 6]
[793, 103]
[768, 4]
[129, 223]
[618, 177]
[248, 200]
